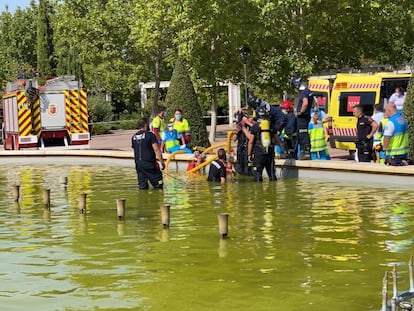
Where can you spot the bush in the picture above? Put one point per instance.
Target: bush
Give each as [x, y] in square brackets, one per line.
[408, 111]
[99, 129]
[99, 109]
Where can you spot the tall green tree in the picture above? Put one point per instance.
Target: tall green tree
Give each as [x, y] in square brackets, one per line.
[44, 47]
[210, 41]
[155, 27]
[181, 95]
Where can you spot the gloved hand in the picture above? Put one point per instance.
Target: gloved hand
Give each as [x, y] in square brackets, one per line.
[182, 147]
[378, 148]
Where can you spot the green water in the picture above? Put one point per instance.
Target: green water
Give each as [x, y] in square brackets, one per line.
[293, 245]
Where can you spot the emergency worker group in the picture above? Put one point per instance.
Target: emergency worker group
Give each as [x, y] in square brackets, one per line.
[265, 132]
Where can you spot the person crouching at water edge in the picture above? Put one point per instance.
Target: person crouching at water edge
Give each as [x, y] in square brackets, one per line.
[171, 141]
[217, 170]
[147, 153]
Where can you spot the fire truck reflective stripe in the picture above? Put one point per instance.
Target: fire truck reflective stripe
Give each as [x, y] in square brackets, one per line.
[68, 111]
[316, 86]
[83, 111]
[75, 111]
[364, 85]
[36, 117]
[344, 131]
[24, 119]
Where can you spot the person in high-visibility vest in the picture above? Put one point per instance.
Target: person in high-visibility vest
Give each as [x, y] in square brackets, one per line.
[158, 124]
[319, 148]
[396, 137]
[182, 126]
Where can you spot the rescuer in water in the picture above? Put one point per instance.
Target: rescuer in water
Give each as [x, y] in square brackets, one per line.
[260, 147]
[289, 133]
[147, 156]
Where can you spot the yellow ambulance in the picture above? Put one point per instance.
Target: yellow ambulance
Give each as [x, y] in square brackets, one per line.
[365, 89]
[321, 89]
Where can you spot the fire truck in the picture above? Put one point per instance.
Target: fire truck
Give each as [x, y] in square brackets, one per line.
[53, 116]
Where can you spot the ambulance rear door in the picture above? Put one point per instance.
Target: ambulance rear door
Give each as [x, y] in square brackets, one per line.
[321, 89]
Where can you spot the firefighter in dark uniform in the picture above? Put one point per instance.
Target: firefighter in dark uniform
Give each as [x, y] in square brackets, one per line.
[242, 166]
[276, 116]
[366, 128]
[147, 153]
[217, 170]
[260, 147]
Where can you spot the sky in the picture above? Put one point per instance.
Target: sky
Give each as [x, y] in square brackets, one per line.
[13, 4]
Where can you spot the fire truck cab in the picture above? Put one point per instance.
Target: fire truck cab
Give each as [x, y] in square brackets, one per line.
[53, 116]
[364, 89]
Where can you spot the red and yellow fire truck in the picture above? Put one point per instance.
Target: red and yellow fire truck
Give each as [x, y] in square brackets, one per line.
[51, 116]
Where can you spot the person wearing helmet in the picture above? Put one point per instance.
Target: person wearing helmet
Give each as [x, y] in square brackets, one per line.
[277, 117]
[260, 147]
[303, 114]
[289, 133]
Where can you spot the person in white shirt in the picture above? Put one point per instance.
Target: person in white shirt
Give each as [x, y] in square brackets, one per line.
[398, 98]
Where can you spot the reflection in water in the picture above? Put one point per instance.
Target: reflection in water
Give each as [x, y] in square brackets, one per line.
[295, 244]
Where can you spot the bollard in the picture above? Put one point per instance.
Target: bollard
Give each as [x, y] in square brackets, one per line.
[120, 206]
[16, 193]
[384, 292]
[411, 272]
[82, 203]
[46, 198]
[223, 224]
[165, 215]
[63, 181]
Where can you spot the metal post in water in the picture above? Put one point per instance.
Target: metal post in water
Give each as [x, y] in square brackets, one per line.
[394, 283]
[411, 272]
[223, 224]
[16, 193]
[46, 198]
[82, 203]
[120, 207]
[63, 181]
[394, 304]
[384, 291]
[165, 215]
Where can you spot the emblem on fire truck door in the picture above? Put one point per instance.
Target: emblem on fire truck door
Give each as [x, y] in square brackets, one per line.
[52, 109]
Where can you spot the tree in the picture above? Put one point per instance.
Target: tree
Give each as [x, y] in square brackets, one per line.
[408, 111]
[44, 47]
[181, 95]
[155, 36]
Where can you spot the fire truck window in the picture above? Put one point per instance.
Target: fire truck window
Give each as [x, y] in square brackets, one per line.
[349, 99]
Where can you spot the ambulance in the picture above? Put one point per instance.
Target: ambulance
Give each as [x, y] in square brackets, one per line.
[365, 89]
[321, 89]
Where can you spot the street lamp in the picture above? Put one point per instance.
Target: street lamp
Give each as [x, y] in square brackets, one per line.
[245, 53]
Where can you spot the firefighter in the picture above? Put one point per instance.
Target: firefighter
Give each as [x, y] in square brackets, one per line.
[276, 117]
[242, 167]
[303, 115]
[260, 147]
[147, 153]
[289, 134]
[217, 170]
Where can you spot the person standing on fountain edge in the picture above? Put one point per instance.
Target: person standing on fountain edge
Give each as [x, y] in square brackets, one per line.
[147, 153]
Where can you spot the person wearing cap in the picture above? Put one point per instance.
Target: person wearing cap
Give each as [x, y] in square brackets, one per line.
[147, 155]
[303, 115]
[217, 170]
[171, 140]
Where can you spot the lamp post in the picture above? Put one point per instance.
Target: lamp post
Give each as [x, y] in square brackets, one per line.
[245, 53]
